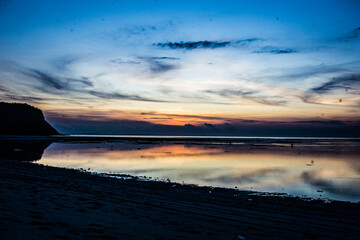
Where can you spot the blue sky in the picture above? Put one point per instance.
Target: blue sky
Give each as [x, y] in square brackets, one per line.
[185, 62]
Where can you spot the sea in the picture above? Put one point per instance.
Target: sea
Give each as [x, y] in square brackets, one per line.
[318, 168]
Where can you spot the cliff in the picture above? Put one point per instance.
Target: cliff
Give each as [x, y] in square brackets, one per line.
[23, 119]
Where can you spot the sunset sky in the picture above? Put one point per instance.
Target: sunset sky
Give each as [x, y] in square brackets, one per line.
[207, 64]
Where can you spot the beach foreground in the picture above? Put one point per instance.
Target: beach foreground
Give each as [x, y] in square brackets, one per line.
[40, 202]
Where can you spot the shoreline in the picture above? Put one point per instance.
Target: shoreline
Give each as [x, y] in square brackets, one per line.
[174, 184]
[59, 203]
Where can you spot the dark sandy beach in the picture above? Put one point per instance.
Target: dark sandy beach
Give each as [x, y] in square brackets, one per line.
[40, 202]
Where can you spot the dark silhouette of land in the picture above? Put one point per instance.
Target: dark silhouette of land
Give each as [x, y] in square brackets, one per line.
[23, 119]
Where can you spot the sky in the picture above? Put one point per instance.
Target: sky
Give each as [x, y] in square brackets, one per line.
[185, 67]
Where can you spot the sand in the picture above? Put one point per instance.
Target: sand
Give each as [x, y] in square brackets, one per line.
[40, 202]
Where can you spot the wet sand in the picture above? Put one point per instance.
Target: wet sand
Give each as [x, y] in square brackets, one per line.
[39, 202]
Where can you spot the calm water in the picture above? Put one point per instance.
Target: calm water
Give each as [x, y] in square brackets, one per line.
[322, 170]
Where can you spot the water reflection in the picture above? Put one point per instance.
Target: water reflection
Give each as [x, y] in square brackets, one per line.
[22, 150]
[325, 170]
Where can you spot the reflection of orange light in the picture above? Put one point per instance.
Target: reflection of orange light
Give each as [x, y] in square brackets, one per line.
[209, 165]
[158, 151]
[194, 155]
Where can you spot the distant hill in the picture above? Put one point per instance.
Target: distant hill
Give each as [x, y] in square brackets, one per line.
[23, 119]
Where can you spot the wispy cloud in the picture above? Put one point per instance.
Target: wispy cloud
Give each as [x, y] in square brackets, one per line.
[160, 64]
[310, 71]
[62, 63]
[244, 42]
[346, 82]
[3, 89]
[21, 98]
[352, 35]
[194, 45]
[115, 95]
[10, 95]
[82, 85]
[156, 65]
[314, 98]
[47, 80]
[205, 44]
[165, 58]
[50, 82]
[83, 81]
[124, 61]
[275, 50]
[249, 95]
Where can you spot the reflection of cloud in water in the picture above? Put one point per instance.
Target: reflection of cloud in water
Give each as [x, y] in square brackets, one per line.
[349, 188]
[356, 167]
[200, 173]
[181, 173]
[247, 177]
[276, 168]
[138, 171]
